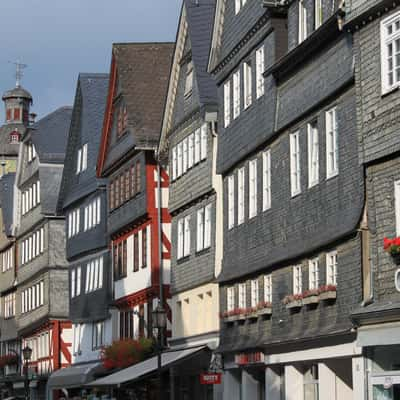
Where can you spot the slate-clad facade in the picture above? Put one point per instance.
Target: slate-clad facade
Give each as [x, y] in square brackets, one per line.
[374, 26]
[293, 199]
[188, 146]
[41, 310]
[136, 94]
[83, 201]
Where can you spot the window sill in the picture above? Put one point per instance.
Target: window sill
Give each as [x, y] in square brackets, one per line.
[294, 195]
[332, 175]
[387, 91]
[183, 259]
[203, 251]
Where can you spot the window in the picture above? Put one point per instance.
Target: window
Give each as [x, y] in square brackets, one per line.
[313, 274]
[94, 275]
[73, 222]
[241, 177]
[203, 228]
[197, 145]
[32, 297]
[174, 162]
[294, 164]
[317, 13]
[297, 280]
[31, 152]
[98, 335]
[135, 252]
[9, 305]
[203, 147]
[144, 248]
[252, 188]
[247, 84]
[239, 4]
[231, 202]
[236, 94]
[184, 237]
[7, 259]
[189, 79]
[191, 150]
[331, 268]
[266, 180]
[119, 261]
[242, 295]
[185, 155]
[126, 324]
[390, 52]
[122, 122]
[32, 246]
[332, 158]
[396, 205]
[230, 298]
[76, 279]
[310, 380]
[313, 154]
[180, 160]
[30, 197]
[254, 293]
[77, 338]
[81, 160]
[227, 103]
[259, 72]
[268, 288]
[302, 21]
[92, 214]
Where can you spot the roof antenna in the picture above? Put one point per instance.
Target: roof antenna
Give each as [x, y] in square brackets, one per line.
[19, 72]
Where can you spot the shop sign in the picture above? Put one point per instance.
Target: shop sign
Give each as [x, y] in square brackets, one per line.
[249, 358]
[210, 379]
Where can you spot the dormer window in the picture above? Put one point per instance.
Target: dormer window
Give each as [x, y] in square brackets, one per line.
[81, 161]
[14, 137]
[31, 152]
[122, 120]
[189, 79]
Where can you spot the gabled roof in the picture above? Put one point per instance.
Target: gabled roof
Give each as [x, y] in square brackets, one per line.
[49, 135]
[196, 20]
[141, 72]
[86, 127]
[7, 201]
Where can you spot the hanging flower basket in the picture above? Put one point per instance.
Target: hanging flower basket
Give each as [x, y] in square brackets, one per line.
[327, 292]
[311, 296]
[233, 315]
[293, 301]
[392, 246]
[8, 359]
[124, 353]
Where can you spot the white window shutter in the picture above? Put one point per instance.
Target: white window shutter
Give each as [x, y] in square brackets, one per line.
[185, 155]
[197, 146]
[200, 229]
[180, 238]
[207, 226]
[231, 202]
[190, 150]
[187, 236]
[227, 103]
[174, 163]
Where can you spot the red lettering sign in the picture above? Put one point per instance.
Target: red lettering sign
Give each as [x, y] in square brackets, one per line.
[249, 358]
[210, 379]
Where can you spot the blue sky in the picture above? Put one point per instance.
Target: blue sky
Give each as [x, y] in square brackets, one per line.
[58, 39]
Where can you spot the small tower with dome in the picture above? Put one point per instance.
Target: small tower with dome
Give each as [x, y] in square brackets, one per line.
[17, 102]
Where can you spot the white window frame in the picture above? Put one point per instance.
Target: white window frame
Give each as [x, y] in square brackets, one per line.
[191, 150]
[332, 149]
[313, 273]
[389, 39]
[253, 188]
[302, 34]
[230, 298]
[318, 17]
[197, 145]
[313, 153]
[174, 163]
[180, 161]
[297, 280]
[239, 4]
[84, 157]
[397, 205]
[203, 144]
[247, 84]
[331, 268]
[241, 191]
[180, 233]
[266, 180]
[260, 66]
[207, 226]
[255, 293]
[186, 240]
[189, 79]
[227, 103]
[184, 155]
[200, 230]
[268, 288]
[242, 303]
[295, 177]
[236, 94]
[231, 201]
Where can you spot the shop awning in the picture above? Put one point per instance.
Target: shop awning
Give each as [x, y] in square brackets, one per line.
[376, 335]
[146, 367]
[75, 376]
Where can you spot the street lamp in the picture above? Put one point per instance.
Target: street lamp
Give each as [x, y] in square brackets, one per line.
[27, 354]
[159, 319]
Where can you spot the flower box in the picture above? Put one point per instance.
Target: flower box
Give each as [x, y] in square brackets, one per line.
[314, 299]
[328, 295]
[231, 318]
[264, 311]
[294, 304]
[392, 246]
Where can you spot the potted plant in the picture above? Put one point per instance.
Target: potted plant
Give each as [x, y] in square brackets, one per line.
[251, 313]
[311, 296]
[327, 292]
[392, 246]
[293, 301]
[126, 352]
[264, 308]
